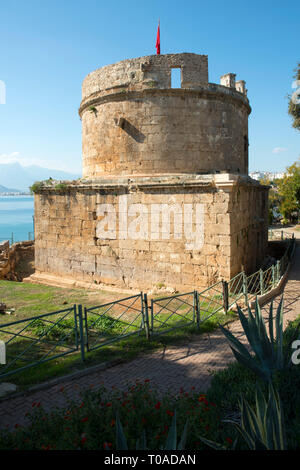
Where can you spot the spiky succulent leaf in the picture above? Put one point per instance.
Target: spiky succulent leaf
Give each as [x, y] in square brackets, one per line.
[251, 363]
[141, 443]
[279, 335]
[171, 442]
[121, 442]
[235, 343]
[181, 445]
[271, 325]
[212, 444]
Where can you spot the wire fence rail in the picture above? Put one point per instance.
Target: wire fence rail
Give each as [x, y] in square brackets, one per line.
[36, 340]
[14, 238]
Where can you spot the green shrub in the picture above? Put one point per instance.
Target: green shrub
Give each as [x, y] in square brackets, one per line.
[35, 187]
[260, 427]
[236, 381]
[61, 187]
[268, 347]
[65, 329]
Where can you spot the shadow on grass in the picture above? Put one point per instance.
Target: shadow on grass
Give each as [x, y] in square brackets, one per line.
[121, 350]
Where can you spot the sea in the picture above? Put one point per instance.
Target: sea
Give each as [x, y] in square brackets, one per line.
[16, 218]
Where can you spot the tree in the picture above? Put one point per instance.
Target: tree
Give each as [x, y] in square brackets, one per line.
[289, 190]
[274, 198]
[294, 100]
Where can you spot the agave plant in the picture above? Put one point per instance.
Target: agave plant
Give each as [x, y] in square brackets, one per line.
[261, 428]
[269, 352]
[141, 443]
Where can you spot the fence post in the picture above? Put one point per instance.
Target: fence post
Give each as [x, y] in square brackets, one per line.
[261, 281]
[151, 327]
[273, 276]
[225, 296]
[245, 289]
[277, 271]
[146, 316]
[196, 306]
[81, 332]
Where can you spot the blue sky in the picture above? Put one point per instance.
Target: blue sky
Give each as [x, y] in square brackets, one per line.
[48, 47]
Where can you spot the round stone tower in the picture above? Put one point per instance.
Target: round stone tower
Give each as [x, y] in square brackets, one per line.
[165, 197]
[135, 124]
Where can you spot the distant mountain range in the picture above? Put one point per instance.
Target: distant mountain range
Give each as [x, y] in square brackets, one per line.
[14, 175]
[4, 189]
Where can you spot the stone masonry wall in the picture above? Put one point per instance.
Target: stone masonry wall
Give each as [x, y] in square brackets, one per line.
[134, 123]
[116, 234]
[10, 256]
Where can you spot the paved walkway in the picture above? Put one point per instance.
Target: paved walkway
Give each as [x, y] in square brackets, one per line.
[179, 366]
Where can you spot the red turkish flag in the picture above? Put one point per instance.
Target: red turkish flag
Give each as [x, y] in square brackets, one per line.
[157, 45]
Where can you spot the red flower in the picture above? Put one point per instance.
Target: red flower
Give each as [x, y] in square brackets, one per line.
[147, 380]
[207, 427]
[84, 419]
[81, 405]
[112, 423]
[170, 413]
[228, 439]
[201, 398]
[107, 444]
[181, 390]
[108, 404]
[17, 425]
[33, 404]
[83, 441]
[192, 388]
[144, 421]
[48, 447]
[158, 405]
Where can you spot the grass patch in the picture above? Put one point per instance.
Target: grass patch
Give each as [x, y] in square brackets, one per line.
[35, 299]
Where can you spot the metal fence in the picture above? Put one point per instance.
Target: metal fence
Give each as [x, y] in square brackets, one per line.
[13, 238]
[275, 234]
[36, 340]
[113, 321]
[172, 311]
[39, 339]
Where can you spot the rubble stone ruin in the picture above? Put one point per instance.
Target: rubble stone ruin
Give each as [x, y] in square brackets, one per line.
[165, 197]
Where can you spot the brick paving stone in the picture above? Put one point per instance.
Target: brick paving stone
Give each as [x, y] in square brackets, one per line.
[186, 366]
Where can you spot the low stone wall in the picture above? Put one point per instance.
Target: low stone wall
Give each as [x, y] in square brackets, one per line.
[184, 233]
[10, 256]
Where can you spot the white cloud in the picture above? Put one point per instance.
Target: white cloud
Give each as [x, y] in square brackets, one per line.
[16, 157]
[279, 149]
